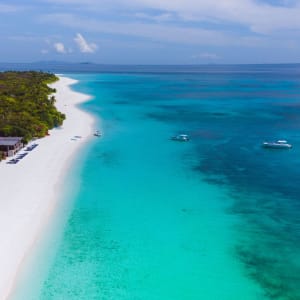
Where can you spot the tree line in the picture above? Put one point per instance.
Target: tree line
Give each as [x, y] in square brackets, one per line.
[27, 106]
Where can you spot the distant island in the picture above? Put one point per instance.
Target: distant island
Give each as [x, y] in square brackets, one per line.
[27, 107]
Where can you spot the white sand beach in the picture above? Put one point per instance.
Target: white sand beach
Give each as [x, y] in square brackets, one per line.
[30, 189]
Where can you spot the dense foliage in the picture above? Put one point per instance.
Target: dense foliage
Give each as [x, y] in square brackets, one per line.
[26, 105]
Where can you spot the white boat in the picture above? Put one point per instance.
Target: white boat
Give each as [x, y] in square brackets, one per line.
[180, 138]
[98, 133]
[280, 144]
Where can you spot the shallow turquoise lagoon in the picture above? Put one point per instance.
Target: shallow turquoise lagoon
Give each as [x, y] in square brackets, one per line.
[148, 218]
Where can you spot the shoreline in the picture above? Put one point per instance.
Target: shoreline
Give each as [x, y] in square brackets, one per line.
[30, 189]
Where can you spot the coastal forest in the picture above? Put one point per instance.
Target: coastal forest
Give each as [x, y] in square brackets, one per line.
[27, 107]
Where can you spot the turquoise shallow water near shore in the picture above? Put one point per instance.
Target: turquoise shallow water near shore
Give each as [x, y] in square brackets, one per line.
[215, 218]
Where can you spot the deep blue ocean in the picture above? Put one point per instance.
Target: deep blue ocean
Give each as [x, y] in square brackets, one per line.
[147, 218]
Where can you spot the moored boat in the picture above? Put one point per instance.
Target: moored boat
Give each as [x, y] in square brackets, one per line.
[97, 133]
[280, 144]
[180, 138]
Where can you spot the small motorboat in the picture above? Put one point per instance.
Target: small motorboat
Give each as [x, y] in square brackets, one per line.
[98, 133]
[280, 144]
[180, 138]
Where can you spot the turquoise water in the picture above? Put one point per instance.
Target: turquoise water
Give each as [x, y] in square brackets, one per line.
[215, 218]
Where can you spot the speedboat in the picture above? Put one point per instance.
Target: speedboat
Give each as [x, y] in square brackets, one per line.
[280, 144]
[180, 138]
[97, 133]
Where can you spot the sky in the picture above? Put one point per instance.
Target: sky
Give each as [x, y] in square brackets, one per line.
[150, 31]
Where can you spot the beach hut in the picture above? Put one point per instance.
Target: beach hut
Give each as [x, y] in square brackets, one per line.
[9, 146]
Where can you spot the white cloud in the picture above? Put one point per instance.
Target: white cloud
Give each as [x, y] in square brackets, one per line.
[83, 45]
[60, 48]
[229, 23]
[157, 32]
[258, 16]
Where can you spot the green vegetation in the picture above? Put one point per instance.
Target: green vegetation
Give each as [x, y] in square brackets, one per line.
[26, 105]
